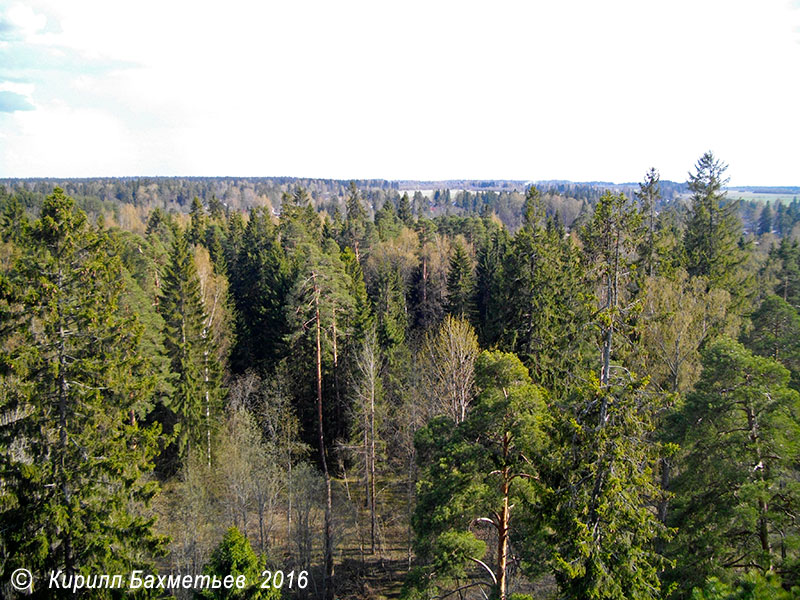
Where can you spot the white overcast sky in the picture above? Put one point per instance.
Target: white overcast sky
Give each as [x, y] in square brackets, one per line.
[581, 90]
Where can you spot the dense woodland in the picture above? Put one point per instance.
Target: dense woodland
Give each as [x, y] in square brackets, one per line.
[567, 392]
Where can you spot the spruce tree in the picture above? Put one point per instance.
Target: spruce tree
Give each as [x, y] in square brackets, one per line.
[260, 284]
[197, 227]
[460, 283]
[765, 219]
[542, 307]
[196, 375]
[714, 230]
[404, 212]
[71, 379]
[649, 195]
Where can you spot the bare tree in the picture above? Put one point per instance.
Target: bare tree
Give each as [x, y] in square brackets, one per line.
[449, 368]
[368, 409]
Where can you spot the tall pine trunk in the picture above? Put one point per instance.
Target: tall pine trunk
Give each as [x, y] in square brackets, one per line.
[328, 581]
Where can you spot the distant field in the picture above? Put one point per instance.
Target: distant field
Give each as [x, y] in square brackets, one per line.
[762, 197]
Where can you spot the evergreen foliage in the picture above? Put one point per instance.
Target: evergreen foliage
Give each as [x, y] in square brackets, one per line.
[74, 457]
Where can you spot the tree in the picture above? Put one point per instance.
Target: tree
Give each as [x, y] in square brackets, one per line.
[476, 473]
[460, 283]
[765, 219]
[714, 229]
[749, 587]
[776, 334]
[369, 411]
[260, 284]
[610, 240]
[196, 372]
[73, 458]
[678, 315]
[649, 195]
[450, 355]
[598, 529]
[320, 293]
[235, 557]
[197, 227]
[404, 212]
[542, 309]
[355, 224]
[737, 491]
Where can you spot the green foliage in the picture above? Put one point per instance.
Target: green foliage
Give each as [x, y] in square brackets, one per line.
[196, 374]
[713, 232]
[598, 532]
[749, 587]
[476, 472]
[260, 283]
[234, 556]
[542, 299]
[649, 195]
[460, 283]
[197, 228]
[737, 492]
[776, 334]
[74, 458]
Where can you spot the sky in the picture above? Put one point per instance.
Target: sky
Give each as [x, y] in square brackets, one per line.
[530, 90]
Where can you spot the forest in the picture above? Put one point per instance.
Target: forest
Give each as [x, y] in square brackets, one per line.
[354, 390]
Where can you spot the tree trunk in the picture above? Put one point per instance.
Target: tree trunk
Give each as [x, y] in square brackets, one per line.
[763, 507]
[327, 589]
[502, 528]
[63, 399]
[372, 460]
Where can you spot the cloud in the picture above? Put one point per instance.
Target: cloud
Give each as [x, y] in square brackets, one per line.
[11, 101]
[20, 22]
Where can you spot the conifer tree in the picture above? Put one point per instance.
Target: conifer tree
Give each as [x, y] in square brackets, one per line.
[649, 195]
[319, 298]
[737, 492]
[197, 227]
[714, 230]
[491, 290]
[355, 224]
[598, 530]
[404, 212]
[73, 455]
[543, 313]
[196, 375]
[765, 219]
[260, 285]
[460, 283]
[476, 475]
[610, 240]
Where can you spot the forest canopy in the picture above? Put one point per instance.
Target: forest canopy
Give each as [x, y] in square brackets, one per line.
[498, 390]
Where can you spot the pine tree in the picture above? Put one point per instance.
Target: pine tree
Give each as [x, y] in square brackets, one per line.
[72, 378]
[737, 492]
[476, 475]
[319, 298]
